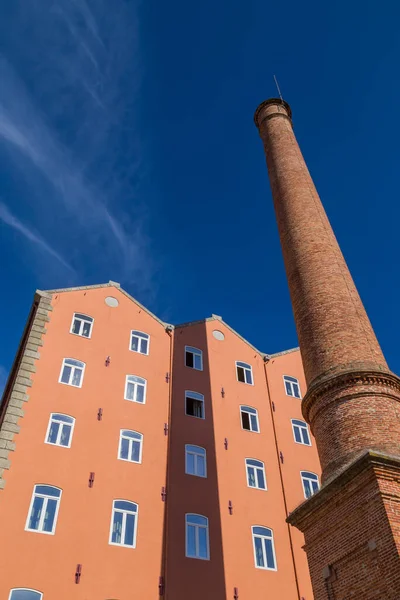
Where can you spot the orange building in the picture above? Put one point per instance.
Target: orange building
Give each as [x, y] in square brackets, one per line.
[144, 460]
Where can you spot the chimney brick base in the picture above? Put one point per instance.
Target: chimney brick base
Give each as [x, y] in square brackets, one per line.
[352, 531]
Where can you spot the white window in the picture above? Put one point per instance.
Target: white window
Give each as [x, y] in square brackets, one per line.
[124, 523]
[292, 386]
[140, 342]
[194, 404]
[196, 462]
[194, 358]
[72, 372]
[264, 551]
[300, 432]
[130, 446]
[255, 474]
[197, 544]
[24, 594]
[310, 483]
[249, 418]
[81, 325]
[59, 430]
[43, 511]
[244, 372]
[135, 389]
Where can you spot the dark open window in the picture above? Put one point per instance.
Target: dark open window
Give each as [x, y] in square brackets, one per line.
[194, 404]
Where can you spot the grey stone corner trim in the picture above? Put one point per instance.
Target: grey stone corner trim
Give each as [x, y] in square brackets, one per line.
[19, 382]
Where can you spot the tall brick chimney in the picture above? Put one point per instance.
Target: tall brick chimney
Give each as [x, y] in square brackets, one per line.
[352, 402]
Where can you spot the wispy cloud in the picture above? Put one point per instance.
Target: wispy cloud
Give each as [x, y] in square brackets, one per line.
[68, 120]
[7, 217]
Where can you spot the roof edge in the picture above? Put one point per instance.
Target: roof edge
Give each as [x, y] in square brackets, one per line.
[110, 284]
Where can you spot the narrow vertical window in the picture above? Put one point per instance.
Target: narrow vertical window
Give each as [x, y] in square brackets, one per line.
[244, 372]
[264, 551]
[300, 432]
[255, 474]
[124, 523]
[194, 404]
[249, 418]
[195, 461]
[193, 358]
[292, 386]
[59, 430]
[135, 389]
[24, 594]
[310, 483]
[197, 543]
[72, 372]
[43, 510]
[130, 446]
[140, 342]
[81, 325]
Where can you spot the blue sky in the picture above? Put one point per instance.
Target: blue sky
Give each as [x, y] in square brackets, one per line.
[128, 152]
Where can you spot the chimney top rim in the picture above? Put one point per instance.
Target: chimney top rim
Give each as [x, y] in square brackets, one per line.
[268, 102]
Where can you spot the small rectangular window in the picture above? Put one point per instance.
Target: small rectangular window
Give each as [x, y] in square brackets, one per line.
[140, 342]
[194, 404]
[59, 430]
[310, 483]
[124, 523]
[81, 325]
[244, 372]
[249, 418]
[25, 594]
[255, 474]
[195, 458]
[292, 386]
[264, 551]
[130, 446]
[197, 544]
[44, 507]
[72, 372]
[135, 389]
[300, 432]
[193, 358]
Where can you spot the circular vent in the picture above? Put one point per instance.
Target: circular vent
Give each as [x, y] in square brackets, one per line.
[111, 301]
[218, 335]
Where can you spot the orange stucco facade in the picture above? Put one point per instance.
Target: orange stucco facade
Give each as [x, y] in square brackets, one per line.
[157, 566]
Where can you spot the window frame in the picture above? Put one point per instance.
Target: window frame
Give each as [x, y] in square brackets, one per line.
[195, 461]
[135, 395]
[142, 335]
[40, 596]
[292, 380]
[256, 415]
[59, 432]
[88, 320]
[195, 352]
[111, 543]
[200, 400]
[52, 532]
[137, 462]
[303, 476]
[260, 468]
[74, 367]
[245, 366]
[295, 423]
[197, 525]
[266, 568]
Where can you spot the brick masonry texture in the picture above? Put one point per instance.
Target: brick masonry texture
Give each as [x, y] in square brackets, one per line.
[17, 389]
[336, 338]
[352, 532]
[352, 525]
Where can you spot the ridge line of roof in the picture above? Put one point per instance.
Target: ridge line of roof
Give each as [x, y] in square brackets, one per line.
[213, 317]
[110, 284]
